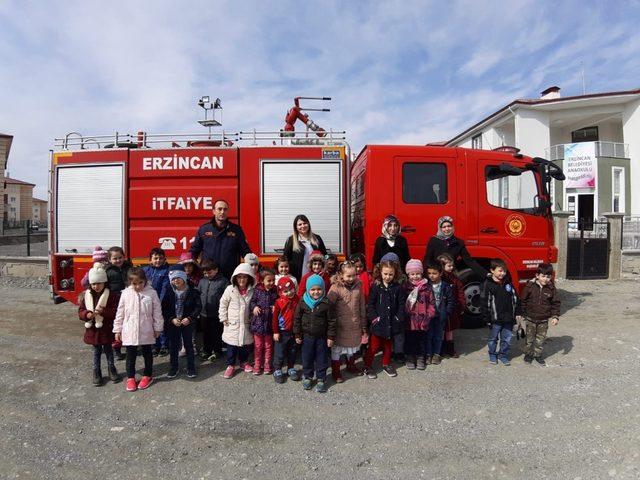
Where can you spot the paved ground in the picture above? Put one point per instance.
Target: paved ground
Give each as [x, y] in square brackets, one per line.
[576, 419]
[38, 249]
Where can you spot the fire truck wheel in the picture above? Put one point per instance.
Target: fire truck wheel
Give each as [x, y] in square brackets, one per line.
[472, 285]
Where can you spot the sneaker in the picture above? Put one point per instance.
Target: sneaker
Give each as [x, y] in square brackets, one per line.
[307, 383]
[192, 374]
[370, 373]
[540, 361]
[213, 357]
[429, 360]
[293, 374]
[411, 363]
[113, 374]
[421, 363]
[164, 351]
[132, 385]
[321, 387]
[120, 356]
[436, 360]
[505, 361]
[528, 359]
[257, 371]
[97, 378]
[145, 382]
[493, 359]
[389, 370]
[173, 373]
[247, 368]
[228, 373]
[182, 352]
[268, 371]
[156, 352]
[278, 377]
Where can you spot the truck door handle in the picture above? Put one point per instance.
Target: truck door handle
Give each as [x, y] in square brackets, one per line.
[408, 229]
[489, 230]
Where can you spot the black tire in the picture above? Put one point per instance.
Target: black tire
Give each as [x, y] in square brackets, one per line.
[472, 287]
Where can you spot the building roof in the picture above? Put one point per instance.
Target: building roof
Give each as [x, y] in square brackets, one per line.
[542, 101]
[15, 181]
[5, 147]
[39, 200]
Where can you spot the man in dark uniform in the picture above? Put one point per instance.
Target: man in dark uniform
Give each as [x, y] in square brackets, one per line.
[221, 240]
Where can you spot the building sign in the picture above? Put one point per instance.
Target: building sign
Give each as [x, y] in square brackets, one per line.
[580, 165]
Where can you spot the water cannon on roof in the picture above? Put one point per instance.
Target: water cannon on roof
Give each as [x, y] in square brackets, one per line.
[295, 113]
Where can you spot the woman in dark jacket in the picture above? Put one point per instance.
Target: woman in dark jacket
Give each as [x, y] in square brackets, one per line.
[445, 242]
[299, 246]
[391, 242]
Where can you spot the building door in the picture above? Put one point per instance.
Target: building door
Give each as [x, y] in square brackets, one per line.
[585, 211]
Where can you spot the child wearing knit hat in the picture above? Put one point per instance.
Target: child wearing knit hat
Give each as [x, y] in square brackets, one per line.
[285, 346]
[98, 256]
[97, 309]
[419, 310]
[180, 308]
[315, 328]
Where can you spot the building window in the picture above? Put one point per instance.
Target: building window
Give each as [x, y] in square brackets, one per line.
[13, 199]
[587, 134]
[476, 142]
[504, 192]
[617, 190]
[424, 183]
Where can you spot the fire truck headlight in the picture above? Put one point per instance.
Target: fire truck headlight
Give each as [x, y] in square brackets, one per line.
[64, 284]
[66, 263]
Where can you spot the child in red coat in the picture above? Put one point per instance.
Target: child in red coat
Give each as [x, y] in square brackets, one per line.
[316, 267]
[282, 324]
[97, 309]
[455, 320]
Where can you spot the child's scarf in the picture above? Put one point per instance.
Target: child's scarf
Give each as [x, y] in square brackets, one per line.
[314, 280]
[413, 296]
[102, 302]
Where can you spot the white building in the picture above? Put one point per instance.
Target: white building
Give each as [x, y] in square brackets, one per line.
[599, 134]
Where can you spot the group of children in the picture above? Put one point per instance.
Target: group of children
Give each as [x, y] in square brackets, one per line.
[336, 312]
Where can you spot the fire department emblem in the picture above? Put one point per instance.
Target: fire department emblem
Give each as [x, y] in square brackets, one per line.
[515, 225]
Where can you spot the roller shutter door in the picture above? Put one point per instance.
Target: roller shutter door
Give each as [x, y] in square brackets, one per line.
[309, 188]
[89, 207]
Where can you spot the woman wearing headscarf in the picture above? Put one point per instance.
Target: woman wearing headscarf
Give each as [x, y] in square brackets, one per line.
[444, 241]
[390, 241]
[299, 246]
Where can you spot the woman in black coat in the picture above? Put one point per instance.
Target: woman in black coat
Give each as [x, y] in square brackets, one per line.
[391, 242]
[299, 246]
[445, 242]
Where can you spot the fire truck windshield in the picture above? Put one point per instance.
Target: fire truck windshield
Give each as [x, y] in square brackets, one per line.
[515, 188]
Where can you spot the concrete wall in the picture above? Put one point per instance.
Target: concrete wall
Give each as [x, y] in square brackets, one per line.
[631, 131]
[605, 183]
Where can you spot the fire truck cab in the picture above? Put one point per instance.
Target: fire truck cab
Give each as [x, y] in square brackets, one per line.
[499, 201]
[144, 191]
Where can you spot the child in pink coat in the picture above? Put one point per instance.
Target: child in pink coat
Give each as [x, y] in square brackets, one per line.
[138, 323]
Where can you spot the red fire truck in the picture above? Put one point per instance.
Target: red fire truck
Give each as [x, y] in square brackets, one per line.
[500, 202]
[142, 191]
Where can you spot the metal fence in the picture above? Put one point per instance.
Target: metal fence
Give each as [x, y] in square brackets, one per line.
[603, 149]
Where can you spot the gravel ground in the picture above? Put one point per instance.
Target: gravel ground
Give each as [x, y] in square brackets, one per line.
[578, 418]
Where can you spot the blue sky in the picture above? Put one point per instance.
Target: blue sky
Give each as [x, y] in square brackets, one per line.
[398, 71]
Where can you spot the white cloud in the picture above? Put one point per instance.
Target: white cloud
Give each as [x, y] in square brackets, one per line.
[409, 71]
